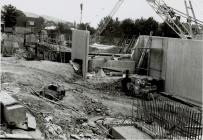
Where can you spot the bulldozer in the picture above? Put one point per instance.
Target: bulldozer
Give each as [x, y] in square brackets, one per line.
[140, 86]
[53, 92]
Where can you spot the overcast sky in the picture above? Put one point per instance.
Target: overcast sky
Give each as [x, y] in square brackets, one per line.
[95, 10]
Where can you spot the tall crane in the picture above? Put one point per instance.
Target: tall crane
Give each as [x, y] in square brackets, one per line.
[108, 19]
[174, 18]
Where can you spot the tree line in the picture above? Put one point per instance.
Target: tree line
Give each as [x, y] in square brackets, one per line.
[136, 27]
[116, 28]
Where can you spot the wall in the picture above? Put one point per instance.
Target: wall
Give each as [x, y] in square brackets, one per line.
[80, 48]
[184, 69]
[117, 65]
[179, 63]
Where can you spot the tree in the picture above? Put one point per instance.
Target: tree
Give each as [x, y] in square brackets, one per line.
[86, 26]
[9, 15]
[150, 25]
[41, 21]
[112, 29]
[61, 27]
[127, 27]
[141, 26]
[166, 31]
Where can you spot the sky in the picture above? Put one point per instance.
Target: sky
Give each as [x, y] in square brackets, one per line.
[95, 10]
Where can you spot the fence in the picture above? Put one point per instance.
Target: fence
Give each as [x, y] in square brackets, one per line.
[166, 118]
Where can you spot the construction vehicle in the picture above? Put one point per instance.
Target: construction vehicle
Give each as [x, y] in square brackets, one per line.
[108, 19]
[179, 22]
[53, 92]
[141, 86]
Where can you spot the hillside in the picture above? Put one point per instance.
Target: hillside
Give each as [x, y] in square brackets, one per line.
[47, 18]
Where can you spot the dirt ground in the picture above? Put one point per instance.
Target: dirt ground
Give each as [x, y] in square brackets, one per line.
[83, 98]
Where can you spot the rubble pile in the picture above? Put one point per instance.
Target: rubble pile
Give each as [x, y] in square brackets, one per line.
[112, 86]
[93, 106]
[85, 129]
[109, 122]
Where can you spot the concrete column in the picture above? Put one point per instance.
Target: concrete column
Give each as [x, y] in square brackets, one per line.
[80, 48]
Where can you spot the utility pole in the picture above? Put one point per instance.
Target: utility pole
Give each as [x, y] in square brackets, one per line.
[81, 12]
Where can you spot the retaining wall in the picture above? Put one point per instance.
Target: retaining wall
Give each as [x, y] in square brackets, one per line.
[179, 63]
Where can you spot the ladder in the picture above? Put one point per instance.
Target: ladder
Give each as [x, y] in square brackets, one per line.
[127, 44]
[144, 52]
[132, 43]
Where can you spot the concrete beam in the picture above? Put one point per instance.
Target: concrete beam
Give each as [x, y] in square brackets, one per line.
[128, 133]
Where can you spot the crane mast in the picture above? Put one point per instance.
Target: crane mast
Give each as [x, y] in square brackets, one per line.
[174, 18]
[108, 19]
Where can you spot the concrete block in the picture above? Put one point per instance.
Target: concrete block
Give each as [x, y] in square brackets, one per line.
[6, 99]
[121, 65]
[15, 136]
[34, 134]
[22, 125]
[31, 122]
[128, 133]
[95, 63]
[111, 64]
[14, 114]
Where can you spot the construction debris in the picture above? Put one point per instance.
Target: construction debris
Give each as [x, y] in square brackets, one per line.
[31, 122]
[15, 115]
[13, 112]
[76, 67]
[100, 74]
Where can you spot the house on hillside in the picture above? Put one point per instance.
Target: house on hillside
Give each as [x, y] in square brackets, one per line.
[29, 24]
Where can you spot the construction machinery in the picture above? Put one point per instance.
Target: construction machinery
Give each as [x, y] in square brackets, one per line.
[140, 86]
[180, 22]
[108, 19]
[53, 92]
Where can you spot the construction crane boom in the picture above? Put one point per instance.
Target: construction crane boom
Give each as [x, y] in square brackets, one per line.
[108, 19]
[173, 18]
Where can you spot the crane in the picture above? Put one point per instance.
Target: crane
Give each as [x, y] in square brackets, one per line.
[173, 18]
[108, 19]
